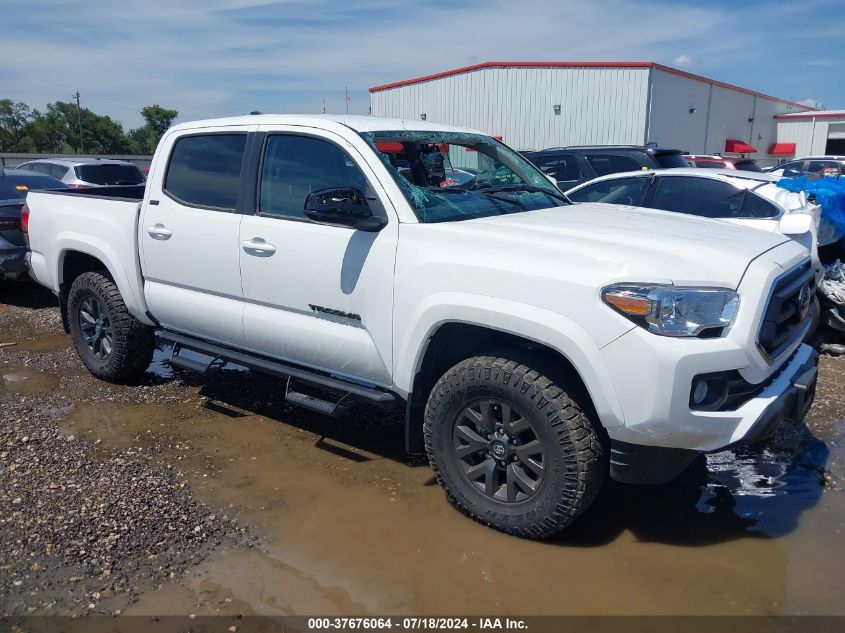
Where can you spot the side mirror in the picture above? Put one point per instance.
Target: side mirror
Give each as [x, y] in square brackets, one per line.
[344, 206]
[795, 224]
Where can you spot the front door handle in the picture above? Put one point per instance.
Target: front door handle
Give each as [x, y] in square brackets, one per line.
[258, 247]
[159, 232]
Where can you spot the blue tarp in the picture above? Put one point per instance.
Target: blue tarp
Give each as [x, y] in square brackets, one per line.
[829, 193]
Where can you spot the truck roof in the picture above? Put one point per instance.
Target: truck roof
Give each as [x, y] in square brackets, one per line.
[359, 123]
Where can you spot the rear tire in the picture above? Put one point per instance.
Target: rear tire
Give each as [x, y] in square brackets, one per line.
[113, 345]
[511, 448]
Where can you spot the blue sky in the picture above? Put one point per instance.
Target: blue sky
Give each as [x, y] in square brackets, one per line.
[211, 58]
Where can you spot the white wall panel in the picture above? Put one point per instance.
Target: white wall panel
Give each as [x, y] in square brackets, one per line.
[671, 123]
[598, 105]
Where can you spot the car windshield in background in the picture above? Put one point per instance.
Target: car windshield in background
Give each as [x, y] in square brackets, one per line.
[448, 176]
[110, 174]
[670, 160]
[16, 187]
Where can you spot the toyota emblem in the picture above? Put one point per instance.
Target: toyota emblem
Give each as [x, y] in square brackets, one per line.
[804, 298]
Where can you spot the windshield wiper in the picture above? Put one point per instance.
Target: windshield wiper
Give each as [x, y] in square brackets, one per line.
[526, 188]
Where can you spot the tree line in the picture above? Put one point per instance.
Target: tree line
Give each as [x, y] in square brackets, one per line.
[56, 130]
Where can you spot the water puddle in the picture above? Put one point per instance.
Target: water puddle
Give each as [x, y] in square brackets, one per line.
[375, 535]
[26, 382]
[45, 343]
[348, 526]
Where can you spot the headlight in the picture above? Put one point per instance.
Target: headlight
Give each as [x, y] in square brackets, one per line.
[672, 311]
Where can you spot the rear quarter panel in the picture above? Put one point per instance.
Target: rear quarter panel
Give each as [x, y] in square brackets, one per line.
[104, 228]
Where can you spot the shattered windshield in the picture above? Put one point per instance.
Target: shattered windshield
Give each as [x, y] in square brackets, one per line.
[448, 176]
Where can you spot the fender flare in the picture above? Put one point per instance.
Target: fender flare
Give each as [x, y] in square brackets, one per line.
[94, 247]
[544, 327]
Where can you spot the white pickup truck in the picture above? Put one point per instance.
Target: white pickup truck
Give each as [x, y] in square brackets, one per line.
[536, 345]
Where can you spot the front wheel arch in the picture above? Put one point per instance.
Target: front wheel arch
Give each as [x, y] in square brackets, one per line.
[453, 342]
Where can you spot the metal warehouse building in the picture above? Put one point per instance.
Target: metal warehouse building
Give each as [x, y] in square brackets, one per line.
[811, 133]
[536, 105]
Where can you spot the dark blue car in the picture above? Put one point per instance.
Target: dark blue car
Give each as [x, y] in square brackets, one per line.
[14, 185]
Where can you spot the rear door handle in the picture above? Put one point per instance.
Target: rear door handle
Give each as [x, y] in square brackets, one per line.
[258, 247]
[159, 232]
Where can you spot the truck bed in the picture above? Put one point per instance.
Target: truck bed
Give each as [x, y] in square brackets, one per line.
[100, 223]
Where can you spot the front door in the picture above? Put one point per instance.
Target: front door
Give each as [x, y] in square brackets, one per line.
[315, 294]
[189, 234]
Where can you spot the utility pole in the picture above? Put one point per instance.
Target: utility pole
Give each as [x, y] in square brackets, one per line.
[347, 98]
[324, 105]
[79, 118]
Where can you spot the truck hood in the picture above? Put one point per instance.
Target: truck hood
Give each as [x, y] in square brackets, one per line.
[634, 243]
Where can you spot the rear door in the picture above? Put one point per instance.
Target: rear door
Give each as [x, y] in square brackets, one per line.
[712, 198]
[317, 295]
[189, 233]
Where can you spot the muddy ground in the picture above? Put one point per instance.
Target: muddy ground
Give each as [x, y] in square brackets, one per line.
[181, 496]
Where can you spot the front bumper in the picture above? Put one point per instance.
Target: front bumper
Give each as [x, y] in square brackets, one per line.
[12, 262]
[789, 396]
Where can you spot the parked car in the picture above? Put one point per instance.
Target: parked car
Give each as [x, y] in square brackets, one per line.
[571, 166]
[722, 162]
[14, 186]
[86, 172]
[748, 198]
[526, 339]
[812, 166]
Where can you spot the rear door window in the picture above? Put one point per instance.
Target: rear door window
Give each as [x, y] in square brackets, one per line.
[619, 191]
[795, 168]
[704, 197]
[562, 167]
[607, 164]
[42, 168]
[205, 170]
[755, 206]
[58, 171]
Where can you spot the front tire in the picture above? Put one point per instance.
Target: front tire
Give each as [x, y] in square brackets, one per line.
[511, 448]
[113, 345]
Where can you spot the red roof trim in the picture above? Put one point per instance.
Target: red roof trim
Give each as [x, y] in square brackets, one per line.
[467, 69]
[668, 69]
[722, 84]
[782, 149]
[811, 115]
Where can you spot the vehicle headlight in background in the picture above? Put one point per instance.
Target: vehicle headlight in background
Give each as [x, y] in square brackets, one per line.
[671, 310]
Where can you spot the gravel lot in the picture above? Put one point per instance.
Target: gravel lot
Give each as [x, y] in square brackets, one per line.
[85, 528]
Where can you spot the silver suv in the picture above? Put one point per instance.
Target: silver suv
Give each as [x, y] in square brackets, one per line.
[87, 172]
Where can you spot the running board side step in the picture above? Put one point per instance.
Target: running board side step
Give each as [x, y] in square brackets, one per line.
[198, 365]
[295, 374]
[315, 398]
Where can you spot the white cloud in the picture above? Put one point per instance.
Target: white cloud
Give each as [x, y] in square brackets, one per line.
[818, 105]
[682, 61]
